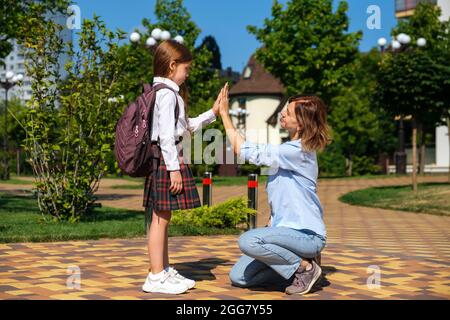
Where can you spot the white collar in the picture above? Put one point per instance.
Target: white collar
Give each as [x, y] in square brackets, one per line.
[168, 82]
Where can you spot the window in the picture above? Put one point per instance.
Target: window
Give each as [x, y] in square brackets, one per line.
[403, 5]
[247, 72]
[400, 5]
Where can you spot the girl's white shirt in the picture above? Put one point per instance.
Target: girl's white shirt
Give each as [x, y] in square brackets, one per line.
[164, 122]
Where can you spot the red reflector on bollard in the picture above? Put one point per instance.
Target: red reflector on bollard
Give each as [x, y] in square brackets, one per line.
[253, 184]
[207, 181]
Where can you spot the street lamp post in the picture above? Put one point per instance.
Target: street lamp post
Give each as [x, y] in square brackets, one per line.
[10, 81]
[398, 44]
[241, 115]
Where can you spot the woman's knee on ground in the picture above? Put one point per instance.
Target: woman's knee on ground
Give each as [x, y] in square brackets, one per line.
[237, 278]
[249, 242]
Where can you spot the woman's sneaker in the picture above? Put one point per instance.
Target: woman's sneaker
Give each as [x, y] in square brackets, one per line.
[305, 279]
[188, 282]
[164, 283]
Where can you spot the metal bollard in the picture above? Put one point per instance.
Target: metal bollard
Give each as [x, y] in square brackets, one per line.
[252, 197]
[207, 189]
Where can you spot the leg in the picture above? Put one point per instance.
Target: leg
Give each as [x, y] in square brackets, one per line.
[166, 251]
[249, 272]
[282, 249]
[157, 240]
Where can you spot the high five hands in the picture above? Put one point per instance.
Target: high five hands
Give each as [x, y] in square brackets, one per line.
[221, 106]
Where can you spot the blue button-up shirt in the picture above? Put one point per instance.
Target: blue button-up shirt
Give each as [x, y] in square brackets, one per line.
[292, 184]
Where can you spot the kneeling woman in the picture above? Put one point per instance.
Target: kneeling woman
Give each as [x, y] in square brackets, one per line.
[296, 235]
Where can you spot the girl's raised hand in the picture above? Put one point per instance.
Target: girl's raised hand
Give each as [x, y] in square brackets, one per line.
[216, 107]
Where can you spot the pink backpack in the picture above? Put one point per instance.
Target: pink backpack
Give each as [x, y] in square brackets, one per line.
[132, 148]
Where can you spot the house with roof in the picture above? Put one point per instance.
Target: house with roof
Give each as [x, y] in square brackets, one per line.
[255, 101]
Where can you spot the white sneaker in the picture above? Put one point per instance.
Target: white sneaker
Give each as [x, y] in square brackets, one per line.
[188, 282]
[165, 284]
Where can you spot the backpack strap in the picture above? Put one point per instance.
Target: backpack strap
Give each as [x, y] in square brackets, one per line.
[157, 87]
[147, 87]
[160, 86]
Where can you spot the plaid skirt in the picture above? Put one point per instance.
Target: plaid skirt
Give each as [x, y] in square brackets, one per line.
[156, 191]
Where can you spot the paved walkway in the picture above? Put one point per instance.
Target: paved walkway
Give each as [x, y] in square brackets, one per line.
[411, 251]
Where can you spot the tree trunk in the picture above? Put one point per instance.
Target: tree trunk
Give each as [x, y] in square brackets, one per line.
[414, 155]
[18, 161]
[448, 135]
[421, 132]
[349, 166]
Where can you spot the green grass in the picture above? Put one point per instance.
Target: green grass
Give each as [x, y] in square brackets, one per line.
[15, 181]
[20, 221]
[242, 181]
[378, 176]
[217, 181]
[431, 198]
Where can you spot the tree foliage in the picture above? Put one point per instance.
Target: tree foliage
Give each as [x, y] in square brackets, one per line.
[416, 81]
[15, 13]
[70, 124]
[308, 46]
[211, 44]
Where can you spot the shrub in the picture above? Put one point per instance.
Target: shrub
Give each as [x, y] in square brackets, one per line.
[228, 214]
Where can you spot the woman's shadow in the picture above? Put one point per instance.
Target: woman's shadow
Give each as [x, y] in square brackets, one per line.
[283, 284]
[201, 271]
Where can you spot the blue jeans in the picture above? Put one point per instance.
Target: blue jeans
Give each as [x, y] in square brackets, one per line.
[273, 254]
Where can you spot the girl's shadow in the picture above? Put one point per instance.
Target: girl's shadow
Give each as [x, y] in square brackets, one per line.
[200, 270]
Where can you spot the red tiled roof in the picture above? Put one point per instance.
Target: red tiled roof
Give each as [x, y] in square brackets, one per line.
[260, 82]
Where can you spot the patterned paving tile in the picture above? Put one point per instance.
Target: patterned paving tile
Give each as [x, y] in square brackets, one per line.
[411, 251]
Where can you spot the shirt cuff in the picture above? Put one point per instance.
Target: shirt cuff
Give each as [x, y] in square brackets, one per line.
[210, 116]
[173, 166]
[246, 150]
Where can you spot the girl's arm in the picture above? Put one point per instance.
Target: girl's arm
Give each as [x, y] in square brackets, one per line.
[205, 118]
[235, 138]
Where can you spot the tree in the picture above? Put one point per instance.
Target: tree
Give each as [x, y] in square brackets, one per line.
[308, 46]
[70, 124]
[425, 23]
[211, 44]
[15, 13]
[16, 135]
[416, 81]
[361, 130]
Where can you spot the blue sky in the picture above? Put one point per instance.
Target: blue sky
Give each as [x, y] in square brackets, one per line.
[227, 21]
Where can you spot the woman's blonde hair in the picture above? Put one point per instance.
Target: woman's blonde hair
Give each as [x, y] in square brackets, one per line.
[166, 52]
[311, 114]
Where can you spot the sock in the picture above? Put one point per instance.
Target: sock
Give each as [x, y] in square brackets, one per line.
[167, 269]
[156, 276]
